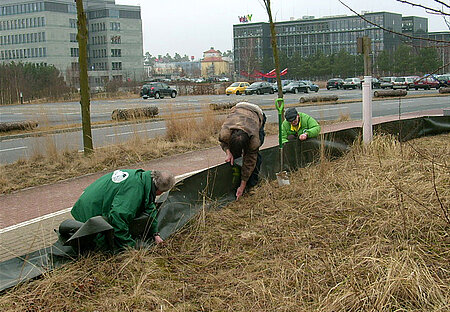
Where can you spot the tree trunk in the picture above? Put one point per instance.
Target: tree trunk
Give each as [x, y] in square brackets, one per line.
[84, 81]
[274, 48]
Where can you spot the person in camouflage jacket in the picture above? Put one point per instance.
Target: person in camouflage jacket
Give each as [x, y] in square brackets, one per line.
[242, 133]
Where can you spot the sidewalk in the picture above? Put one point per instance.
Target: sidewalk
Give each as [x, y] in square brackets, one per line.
[51, 203]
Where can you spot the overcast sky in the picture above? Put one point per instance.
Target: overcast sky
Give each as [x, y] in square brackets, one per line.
[193, 26]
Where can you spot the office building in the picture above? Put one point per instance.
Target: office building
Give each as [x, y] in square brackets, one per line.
[43, 31]
[442, 44]
[308, 36]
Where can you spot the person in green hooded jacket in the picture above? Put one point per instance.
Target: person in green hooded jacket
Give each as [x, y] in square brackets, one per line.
[298, 126]
[120, 197]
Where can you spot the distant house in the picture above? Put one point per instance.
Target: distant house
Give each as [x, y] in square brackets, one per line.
[213, 64]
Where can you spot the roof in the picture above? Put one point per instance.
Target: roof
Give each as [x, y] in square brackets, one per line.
[213, 59]
[211, 51]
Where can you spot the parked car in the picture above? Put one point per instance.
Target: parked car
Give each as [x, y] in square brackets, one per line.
[444, 80]
[237, 88]
[426, 83]
[387, 82]
[283, 83]
[157, 90]
[259, 87]
[400, 83]
[274, 87]
[411, 80]
[335, 83]
[352, 83]
[312, 86]
[295, 87]
[375, 83]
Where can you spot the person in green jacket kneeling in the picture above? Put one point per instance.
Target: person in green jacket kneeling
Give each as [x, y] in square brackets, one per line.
[120, 197]
[298, 126]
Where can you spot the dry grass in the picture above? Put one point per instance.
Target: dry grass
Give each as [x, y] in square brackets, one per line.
[195, 129]
[186, 134]
[364, 233]
[47, 165]
[343, 117]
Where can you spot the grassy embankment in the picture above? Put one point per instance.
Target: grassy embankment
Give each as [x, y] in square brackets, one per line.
[367, 232]
[47, 165]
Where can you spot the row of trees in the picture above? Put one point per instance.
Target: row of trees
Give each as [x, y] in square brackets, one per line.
[404, 61]
[150, 59]
[36, 81]
[33, 81]
[408, 61]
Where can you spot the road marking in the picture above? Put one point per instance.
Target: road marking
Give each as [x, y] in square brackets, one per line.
[327, 109]
[131, 132]
[396, 102]
[13, 148]
[25, 223]
[63, 211]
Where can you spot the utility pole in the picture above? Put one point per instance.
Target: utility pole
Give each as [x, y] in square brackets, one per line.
[364, 47]
[84, 80]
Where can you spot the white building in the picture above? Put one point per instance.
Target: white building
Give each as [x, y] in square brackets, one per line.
[45, 31]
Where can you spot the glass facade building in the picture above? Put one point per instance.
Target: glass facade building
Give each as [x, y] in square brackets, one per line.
[308, 35]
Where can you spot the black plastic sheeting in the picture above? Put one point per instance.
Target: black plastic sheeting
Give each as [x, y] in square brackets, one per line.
[213, 188]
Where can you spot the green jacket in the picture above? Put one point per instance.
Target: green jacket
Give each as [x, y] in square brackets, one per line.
[308, 125]
[119, 196]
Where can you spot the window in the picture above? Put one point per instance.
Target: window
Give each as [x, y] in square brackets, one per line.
[113, 13]
[97, 14]
[115, 40]
[129, 14]
[115, 26]
[72, 8]
[116, 52]
[74, 52]
[116, 65]
[53, 7]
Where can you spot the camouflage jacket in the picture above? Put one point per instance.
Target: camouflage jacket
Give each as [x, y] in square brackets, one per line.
[249, 118]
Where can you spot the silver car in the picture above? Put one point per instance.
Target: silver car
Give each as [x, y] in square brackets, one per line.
[352, 83]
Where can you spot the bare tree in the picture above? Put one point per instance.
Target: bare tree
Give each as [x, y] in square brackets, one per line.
[274, 47]
[84, 80]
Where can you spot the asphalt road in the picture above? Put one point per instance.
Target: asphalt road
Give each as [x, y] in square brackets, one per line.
[69, 113]
[14, 148]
